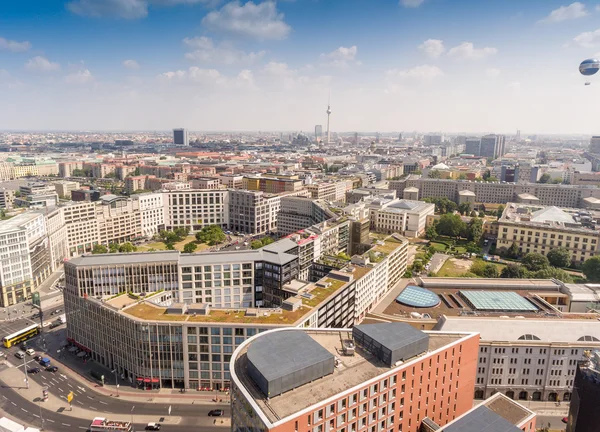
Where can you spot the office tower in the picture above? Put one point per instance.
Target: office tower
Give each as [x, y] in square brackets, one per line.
[518, 137]
[584, 415]
[430, 140]
[501, 145]
[490, 146]
[595, 144]
[318, 132]
[399, 137]
[328, 125]
[180, 137]
[355, 138]
[473, 146]
[384, 376]
[509, 173]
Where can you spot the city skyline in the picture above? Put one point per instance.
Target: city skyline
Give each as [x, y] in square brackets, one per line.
[241, 66]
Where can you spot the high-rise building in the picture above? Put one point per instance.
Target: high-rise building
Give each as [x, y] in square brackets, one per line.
[584, 415]
[373, 377]
[518, 137]
[473, 146]
[430, 140]
[180, 137]
[490, 146]
[318, 132]
[595, 144]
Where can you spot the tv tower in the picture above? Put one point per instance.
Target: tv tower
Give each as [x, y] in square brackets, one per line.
[328, 115]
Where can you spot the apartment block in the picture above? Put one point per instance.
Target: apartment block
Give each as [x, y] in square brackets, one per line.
[37, 195]
[538, 362]
[7, 198]
[382, 377]
[6, 171]
[329, 191]
[540, 229]
[272, 184]
[65, 187]
[152, 212]
[572, 196]
[195, 209]
[297, 213]
[25, 170]
[138, 183]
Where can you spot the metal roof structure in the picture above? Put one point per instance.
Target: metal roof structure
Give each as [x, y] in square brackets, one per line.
[481, 419]
[391, 342]
[498, 301]
[415, 296]
[285, 360]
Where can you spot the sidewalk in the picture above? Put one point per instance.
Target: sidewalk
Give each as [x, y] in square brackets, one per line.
[60, 405]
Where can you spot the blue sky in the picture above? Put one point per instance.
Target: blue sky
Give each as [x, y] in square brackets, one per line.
[390, 65]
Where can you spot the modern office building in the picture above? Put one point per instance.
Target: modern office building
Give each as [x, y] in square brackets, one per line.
[595, 144]
[297, 213]
[37, 195]
[180, 137]
[195, 209]
[433, 140]
[473, 146]
[152, 212]
[496, 192]
[527, 358]
[155, 302]
[318, 132]
[540, 229]
[489, 146]
[584, 415]
[380, 377]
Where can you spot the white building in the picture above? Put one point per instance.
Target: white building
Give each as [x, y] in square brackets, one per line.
[527, 359]
[152, 212]
[58, 241]
[37, 195]
[195, 209]
[64, 188]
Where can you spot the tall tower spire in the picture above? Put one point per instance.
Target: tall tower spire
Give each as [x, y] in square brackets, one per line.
[328, 115]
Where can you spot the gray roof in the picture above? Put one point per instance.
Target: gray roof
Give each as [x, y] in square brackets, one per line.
[282, 246]
[130, 258]
[551, 214]
[284, 353]
[391, 335]
[481, 419]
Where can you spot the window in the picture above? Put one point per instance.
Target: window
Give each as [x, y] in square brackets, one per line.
[529, 337]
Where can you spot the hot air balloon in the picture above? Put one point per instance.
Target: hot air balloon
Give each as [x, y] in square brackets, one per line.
[589, 67]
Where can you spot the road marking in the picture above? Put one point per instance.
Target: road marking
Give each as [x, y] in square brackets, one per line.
[35, 415]
[4, 396]
[60, 389]
[91, 398]
[24, 409]
[79, 402]
[103, 403]
[93, 408]
[65, 424]
[50, 420]
[81, 427]
[13, 403]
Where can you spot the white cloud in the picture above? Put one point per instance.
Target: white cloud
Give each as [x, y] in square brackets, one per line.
[41, 64]
[492, 72]
[515, 85]
[341, 57]
[127, 9]
[467, 50]
[256, 20]
[588, 39]
[564, 13]
[280, 75]
[411, 3]
[83, 76]
[209, 77]
[420, 73]
[433, 48]
[205, 51]
[14, 46]
[131, 64]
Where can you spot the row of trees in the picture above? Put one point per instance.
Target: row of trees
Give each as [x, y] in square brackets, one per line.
[257, 244]
[114, 248]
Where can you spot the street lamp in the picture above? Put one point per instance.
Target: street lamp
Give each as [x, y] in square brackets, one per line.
[116, 381]
[132, 426]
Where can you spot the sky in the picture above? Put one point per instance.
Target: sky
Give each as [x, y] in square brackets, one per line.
[386, 65]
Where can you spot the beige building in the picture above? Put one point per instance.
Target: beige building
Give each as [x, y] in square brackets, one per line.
[6, 171]
[330, 191]
[64, 188]
[586, 178]
[25, 170]
[205, 183]
[195, 209]
[540, 229]
[65, 169]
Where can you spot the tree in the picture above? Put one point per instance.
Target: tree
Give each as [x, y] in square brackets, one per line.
[500, 211]
[417, 266]
[462, 176]
[127, 247]
[111, 175]
[475, 230]
[256, 244]
[514, 271]
[99, 249]
[464, 208]
[545, 178]
[431, 232]
[267, 241]
[136, 172]
[559, 257]
[513, 251]
[190, 247]
[113, 248]
[163, 158]
[591, 269]
[490, 271]
[552, 273]
[534, 261]
[472, 247]
[450, 225]
[211, 235]
[435, 174]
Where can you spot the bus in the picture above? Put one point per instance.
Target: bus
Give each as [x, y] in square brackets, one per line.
[21, 335]
[100, 424]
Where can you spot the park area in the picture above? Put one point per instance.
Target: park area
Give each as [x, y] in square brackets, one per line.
[457, 267]
[161, 246]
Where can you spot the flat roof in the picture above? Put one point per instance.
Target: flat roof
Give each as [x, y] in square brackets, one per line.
[132, 258]
[350, 372]
[481, 419]
[512, 329]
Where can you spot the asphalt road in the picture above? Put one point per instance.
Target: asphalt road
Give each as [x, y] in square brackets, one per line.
[555, 422]
[31, 414]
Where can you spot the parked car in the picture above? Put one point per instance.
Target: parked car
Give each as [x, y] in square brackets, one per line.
[52, 369]
[30, 351]
[565, 419]
[153, 426]
[215, 413]
[33, 370]
[37, 358]
[20, 354]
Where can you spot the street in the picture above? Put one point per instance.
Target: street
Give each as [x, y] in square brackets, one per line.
[554, 422]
